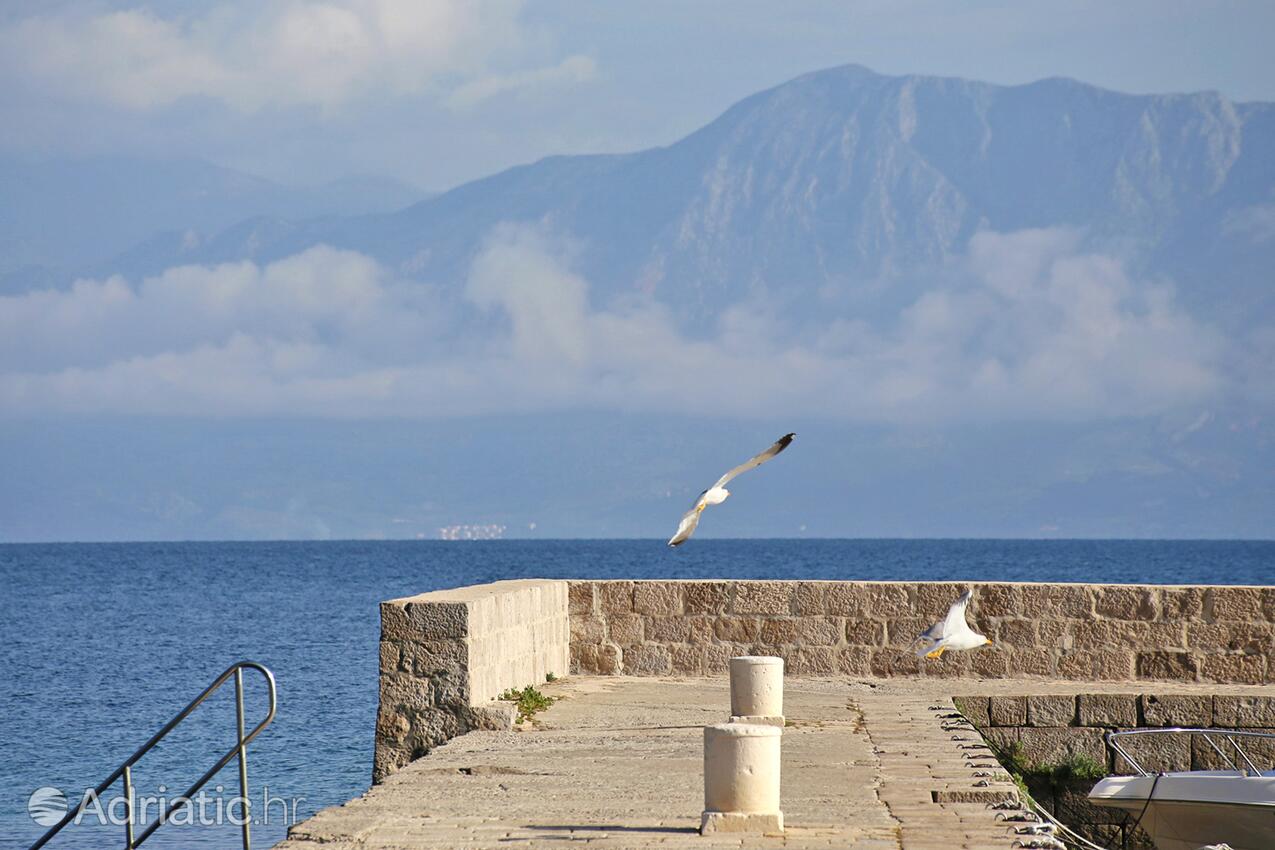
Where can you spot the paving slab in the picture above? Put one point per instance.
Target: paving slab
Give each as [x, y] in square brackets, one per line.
[617, 762]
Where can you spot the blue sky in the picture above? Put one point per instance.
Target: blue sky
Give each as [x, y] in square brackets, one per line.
[443, 91]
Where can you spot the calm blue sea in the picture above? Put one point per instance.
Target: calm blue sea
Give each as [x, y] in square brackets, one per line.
[102, 643]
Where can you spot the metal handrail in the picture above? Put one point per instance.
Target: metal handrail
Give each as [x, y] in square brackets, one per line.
[1229, 734]
[240, 750]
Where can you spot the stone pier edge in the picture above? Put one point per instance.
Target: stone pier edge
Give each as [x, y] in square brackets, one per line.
[446, 655]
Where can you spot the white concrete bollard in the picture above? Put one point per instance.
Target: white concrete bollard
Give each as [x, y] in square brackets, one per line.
[741, 779]
[757, 690]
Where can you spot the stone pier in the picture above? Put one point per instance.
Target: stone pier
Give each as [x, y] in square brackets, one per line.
[867, 760]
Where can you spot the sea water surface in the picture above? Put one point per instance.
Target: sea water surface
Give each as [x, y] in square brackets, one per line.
[103, 643]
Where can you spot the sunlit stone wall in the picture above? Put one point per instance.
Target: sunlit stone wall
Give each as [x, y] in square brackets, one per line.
[1057, 631]
[447, 655]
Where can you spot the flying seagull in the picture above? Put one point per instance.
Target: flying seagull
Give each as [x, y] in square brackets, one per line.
[952, 632]
[717, 494]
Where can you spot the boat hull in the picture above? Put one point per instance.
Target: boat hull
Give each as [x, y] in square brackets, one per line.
[1192, 809]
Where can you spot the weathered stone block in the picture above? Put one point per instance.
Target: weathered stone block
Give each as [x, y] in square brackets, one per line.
[1167, 666]
[390, 656]
[998, 600]
[717, 657]
[615, 597]
[934, 600]
[763, 597]
[625, 629]
[1019, 634]
[779, 631]
[699, 629]
[888, 600]
[586, 628]
[990, 662]
[1237, 604]
[808, 598]
[1126, 603]
[647, 661]
[1105, 634]
[1155, 753]
[1246, 711]
[434, 658]
[438, 620]
[1059, 600]
[1249, 638]
[705, 597]
[1206, 757]
[1051, 710]
[761, 648]
[657, 597]
[819, 631]
[903, 631]
[812, 661]
[687, 659]
[1000, 738]
[595, 659]
[1176, 710]
[855, 661]
[1032, 662]
[950, 665]
[450, 688]
[1052, 746]
[865, 632]
[580, 597]
[894, 662]
[1109, 710]
[667, 629]
[394, 623]
[391, 725]
[1237, 669]
[1007, 711]
[845, 599]
[977, 709]
[403, 691]
[737, 629]
[1181, 604]
[1085, 664]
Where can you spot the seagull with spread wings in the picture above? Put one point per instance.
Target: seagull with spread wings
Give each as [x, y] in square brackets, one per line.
[717, 494]
[952, 632]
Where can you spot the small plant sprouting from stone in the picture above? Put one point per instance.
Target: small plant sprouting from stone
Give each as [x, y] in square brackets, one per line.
[528, 700]
[551, 677]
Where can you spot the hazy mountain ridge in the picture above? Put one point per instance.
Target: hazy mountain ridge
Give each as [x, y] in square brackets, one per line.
[843, 176]
[62, 217]
[842, 197]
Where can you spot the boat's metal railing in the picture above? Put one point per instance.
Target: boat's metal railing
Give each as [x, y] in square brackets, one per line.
[1227, 736]
[125, 770]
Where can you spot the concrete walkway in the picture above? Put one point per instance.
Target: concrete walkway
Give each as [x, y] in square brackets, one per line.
[618, 763]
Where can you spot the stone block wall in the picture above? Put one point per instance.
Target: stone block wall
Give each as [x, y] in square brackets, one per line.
[1049, 729]
[446, 656]
[1059, 631]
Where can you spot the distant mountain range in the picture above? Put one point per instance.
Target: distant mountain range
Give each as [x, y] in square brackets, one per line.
[64, 217]
[841, 196]
[840, 178]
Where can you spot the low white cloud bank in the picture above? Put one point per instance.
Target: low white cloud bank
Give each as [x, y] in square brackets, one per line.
[251, 54]
[1033, 329]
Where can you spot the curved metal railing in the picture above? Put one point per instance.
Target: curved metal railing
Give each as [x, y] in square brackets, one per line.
[1228, 735]
[125, 770]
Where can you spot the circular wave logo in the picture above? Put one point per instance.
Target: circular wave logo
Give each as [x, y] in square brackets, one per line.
[47, 806]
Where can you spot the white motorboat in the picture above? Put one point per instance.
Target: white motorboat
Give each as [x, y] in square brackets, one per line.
[1186, 810]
